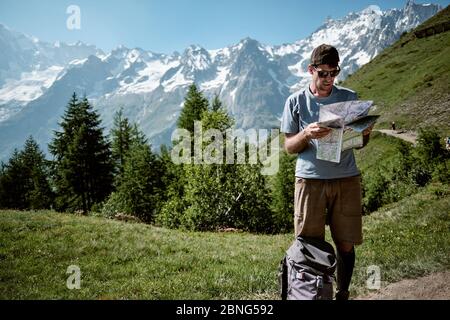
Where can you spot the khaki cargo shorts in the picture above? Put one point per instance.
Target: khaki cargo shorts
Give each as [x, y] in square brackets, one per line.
[336, 202]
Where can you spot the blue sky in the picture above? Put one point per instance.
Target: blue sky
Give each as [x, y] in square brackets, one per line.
[168, 25]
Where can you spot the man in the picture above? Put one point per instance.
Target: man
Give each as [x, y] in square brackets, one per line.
[325, 192]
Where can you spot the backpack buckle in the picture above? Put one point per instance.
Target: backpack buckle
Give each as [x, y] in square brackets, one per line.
[300, 275]
[319, 282]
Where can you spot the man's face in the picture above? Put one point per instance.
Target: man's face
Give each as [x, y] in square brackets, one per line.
[323, 76]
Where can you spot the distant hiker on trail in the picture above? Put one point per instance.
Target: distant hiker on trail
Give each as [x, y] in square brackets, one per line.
[447, 143]
[393, 125]
[325, 192]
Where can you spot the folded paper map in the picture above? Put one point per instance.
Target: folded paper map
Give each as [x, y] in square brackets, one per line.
[347, 120]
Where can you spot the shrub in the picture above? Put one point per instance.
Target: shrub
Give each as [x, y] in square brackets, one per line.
[112, 206]
[408, 170]
[172, 212]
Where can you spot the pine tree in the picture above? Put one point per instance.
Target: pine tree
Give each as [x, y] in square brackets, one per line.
[24, 182]
[124, 135]
[39, 194]
[216, 105]
[12, 187]
[283, 193]
[62, 139]
[83, 167]
[137, 136]
[141, 187]
[121, 142]
[194, 105]
[2, 190]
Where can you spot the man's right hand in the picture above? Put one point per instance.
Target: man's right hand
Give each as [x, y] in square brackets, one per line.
[314, 131]
[297, 142]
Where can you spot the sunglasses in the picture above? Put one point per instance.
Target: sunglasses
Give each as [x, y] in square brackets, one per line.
[324, 74]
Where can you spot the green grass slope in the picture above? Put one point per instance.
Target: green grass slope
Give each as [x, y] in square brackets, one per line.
[407, 239]
[380, 149]
[410, 81]
[121, 260]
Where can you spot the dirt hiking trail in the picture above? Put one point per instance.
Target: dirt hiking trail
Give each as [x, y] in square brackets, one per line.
[408, 136]
[435, 286]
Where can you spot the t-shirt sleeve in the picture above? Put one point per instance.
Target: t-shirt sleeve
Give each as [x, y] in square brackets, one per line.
[290, 117]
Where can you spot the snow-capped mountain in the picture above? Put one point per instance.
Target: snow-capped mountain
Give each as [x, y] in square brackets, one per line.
[27, 58]
[252, 79]
[28, 67]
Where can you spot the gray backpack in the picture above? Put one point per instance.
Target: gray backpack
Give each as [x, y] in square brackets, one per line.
[307, 270]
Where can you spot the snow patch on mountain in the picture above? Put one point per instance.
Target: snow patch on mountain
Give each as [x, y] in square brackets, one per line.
[218, 81]
[176, 81]
[196, 58]
[220, 55]
[30, 85]
[361, 58]
[77, 62]
[148, 78]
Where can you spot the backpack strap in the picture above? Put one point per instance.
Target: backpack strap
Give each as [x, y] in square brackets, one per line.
[283, 278]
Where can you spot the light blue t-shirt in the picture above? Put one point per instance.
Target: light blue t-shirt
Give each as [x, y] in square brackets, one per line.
[301, 109]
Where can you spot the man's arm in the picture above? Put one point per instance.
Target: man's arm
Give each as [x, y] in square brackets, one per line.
[297, 142]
